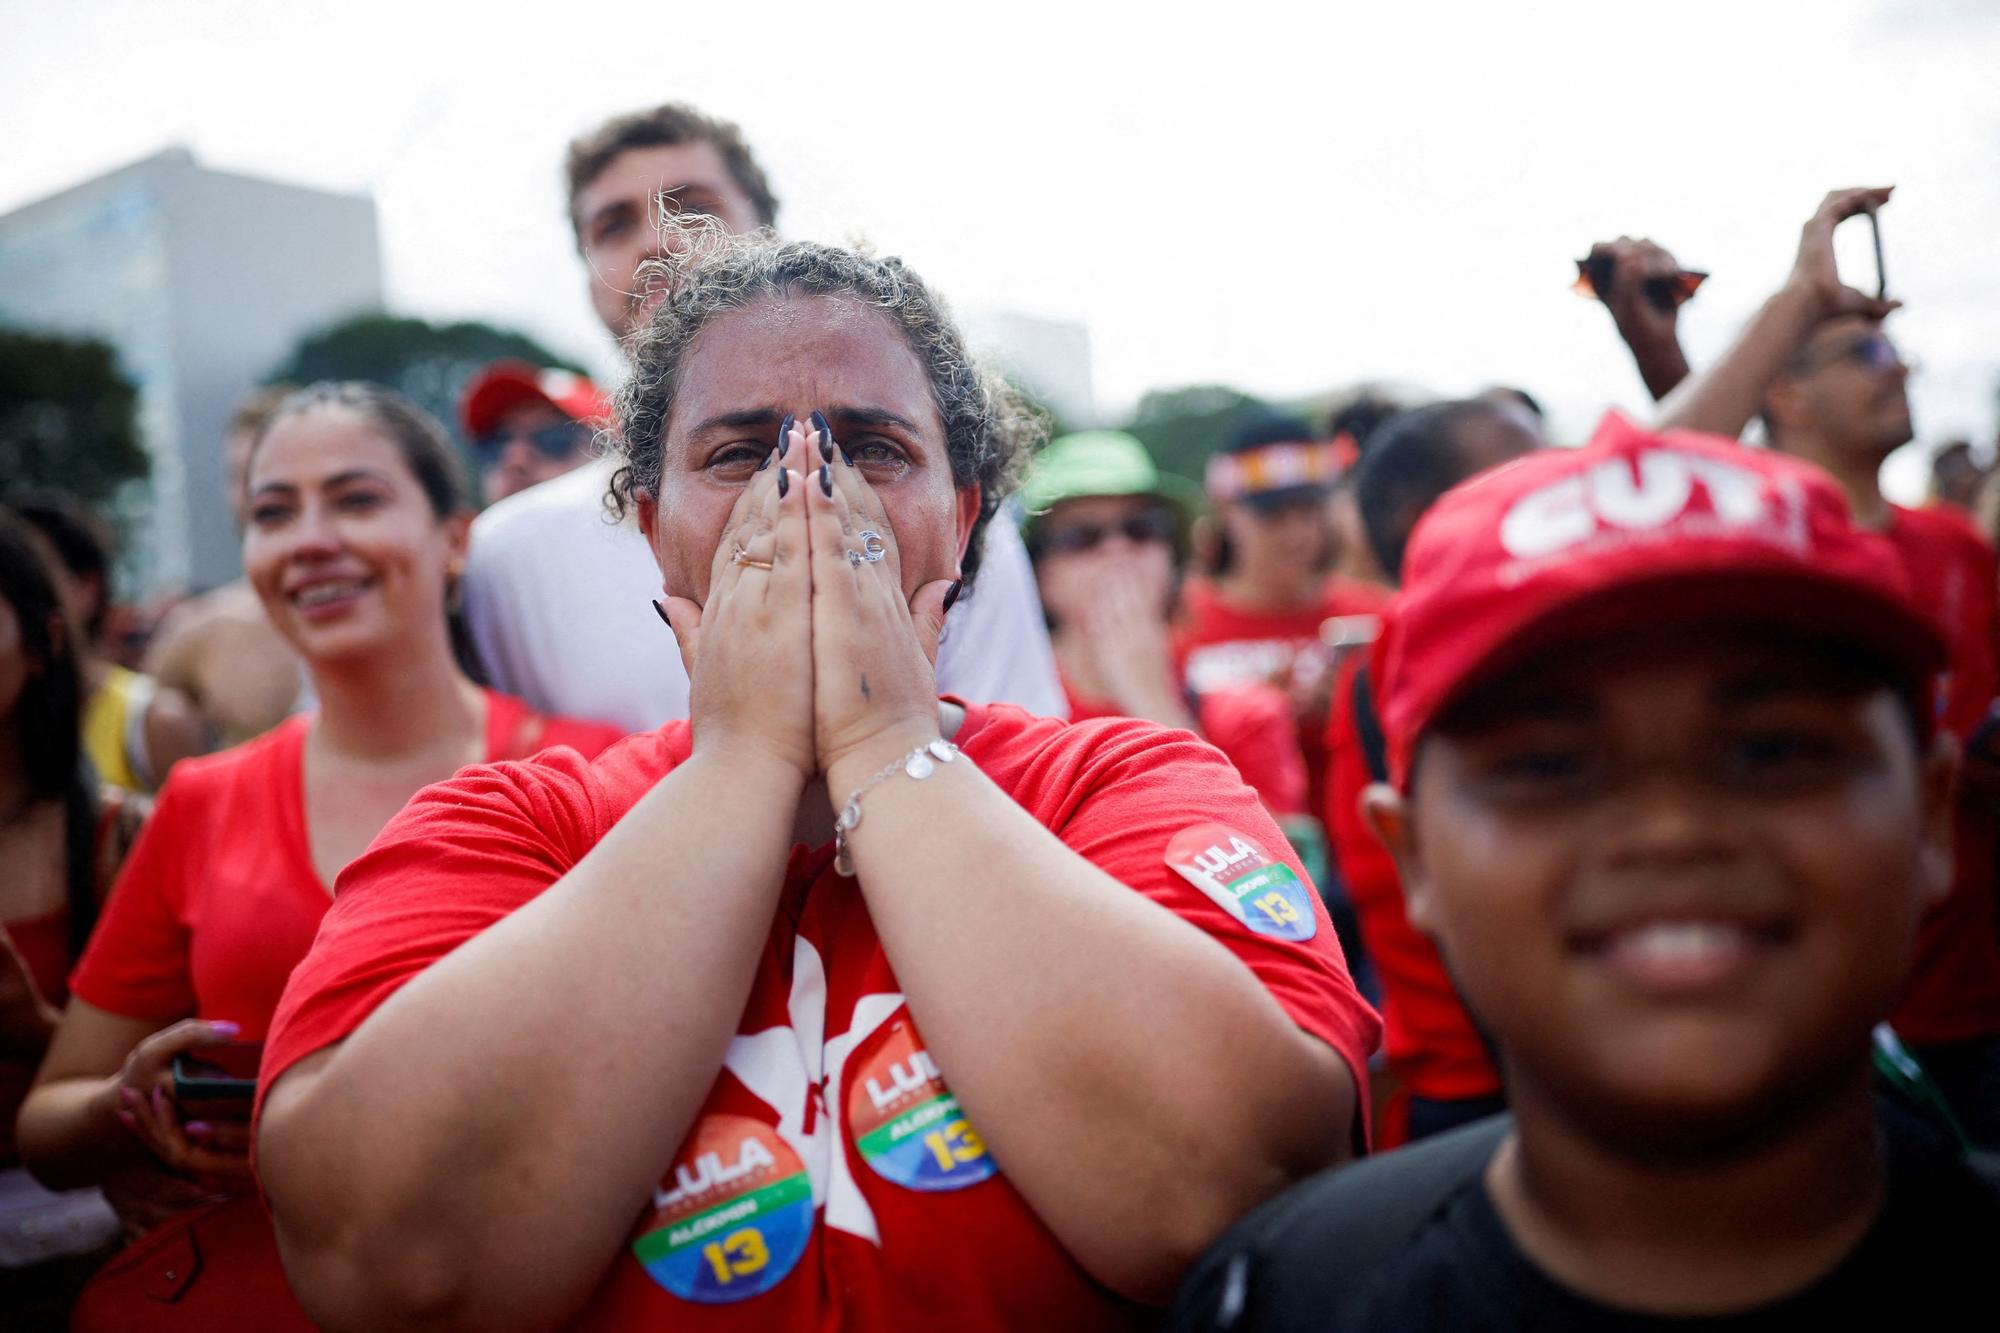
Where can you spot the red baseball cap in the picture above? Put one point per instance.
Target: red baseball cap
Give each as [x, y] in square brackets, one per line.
[500, 387]
[1635, 528]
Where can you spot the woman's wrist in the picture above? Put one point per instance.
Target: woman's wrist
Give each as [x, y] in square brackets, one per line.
[853, 767]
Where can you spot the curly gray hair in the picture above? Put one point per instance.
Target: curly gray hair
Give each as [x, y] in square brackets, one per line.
[988, 427]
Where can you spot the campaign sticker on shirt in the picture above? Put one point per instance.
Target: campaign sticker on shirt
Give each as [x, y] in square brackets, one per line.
[1251, 885]
[907, 1123]
[732, 1216]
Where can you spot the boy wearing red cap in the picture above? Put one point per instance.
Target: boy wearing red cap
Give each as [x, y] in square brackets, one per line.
[1664, 788]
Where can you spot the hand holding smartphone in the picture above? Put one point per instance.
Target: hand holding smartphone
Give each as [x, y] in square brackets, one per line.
[221, 1073]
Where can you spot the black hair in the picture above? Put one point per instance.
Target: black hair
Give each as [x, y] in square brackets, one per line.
[1412, 460]
[79, 542]
[48, 716]
[1362, 415]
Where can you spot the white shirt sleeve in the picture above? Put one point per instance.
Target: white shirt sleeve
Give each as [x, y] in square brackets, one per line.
[996, 643]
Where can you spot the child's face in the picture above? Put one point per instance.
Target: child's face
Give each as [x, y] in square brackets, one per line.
[1676, 873]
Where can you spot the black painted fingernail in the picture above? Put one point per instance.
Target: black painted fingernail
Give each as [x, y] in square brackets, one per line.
[951, 593]
[784, 481]
[785, 434]
[662, 610]
[767, 460]
[825, 482]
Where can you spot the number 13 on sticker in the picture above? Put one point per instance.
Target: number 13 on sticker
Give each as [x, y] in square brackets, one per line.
[737, 1255]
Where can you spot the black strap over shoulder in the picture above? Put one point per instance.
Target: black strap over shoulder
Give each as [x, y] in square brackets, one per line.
[1368, 727]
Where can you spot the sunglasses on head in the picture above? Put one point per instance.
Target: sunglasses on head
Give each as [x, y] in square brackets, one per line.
[553, 442]
[1155, 525]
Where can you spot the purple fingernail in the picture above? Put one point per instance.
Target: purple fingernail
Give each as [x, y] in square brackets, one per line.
[126, 1118]
[660, 610]
[198, 1129]
[784, 481]
[159, 1101]
[951, 593]
[785, 434]
[825, 481]
[130, 1096]
[222, 1027]
[825, 435]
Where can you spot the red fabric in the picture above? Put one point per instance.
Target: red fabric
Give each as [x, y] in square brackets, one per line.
[1218, 646]
[219, 900]
[1954, 988]
[1427, 1037]
[1251, 725]
[1632, 527]
[467, 853]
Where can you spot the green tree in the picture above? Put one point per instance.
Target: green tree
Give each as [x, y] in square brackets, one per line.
[69, 419]
[1182, 427]
[428, 363]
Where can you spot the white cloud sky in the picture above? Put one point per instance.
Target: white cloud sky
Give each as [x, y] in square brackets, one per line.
[1247, 194]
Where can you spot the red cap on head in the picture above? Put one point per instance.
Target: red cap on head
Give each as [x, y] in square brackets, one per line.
[1633, 529]
[504, 385]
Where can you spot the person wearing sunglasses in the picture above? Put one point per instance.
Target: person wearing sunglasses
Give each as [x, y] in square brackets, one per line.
[528, 425]
[1106, 531]
[1271, 586]
[1833, 390]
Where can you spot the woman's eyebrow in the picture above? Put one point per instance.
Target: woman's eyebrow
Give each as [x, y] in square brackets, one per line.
[871, 416]
[753, 416]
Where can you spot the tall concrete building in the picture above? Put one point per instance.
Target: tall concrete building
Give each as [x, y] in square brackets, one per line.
[202, 280]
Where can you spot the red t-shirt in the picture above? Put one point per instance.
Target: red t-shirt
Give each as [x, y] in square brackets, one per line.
[1218, 646]
[1251, 724]
[215, 905]
[1953, 993]
[1427, 1036]
[219, 899]
[832, 1178]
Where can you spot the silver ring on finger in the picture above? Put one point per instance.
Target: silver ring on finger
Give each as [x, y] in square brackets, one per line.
[873, 548]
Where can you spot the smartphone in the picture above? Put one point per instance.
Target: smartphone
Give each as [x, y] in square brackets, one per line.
[1854, 255]
[227, 1072]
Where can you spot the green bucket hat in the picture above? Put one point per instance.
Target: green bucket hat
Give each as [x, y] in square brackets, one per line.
[1102, 462]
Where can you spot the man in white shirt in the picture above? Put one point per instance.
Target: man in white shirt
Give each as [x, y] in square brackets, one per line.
[559, 596]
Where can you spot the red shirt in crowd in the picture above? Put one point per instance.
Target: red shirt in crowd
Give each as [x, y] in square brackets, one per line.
[832, 1178]
[1251, 725]
[1429, 1040]
[1953, 992]
[1217, 646]
[216, 904]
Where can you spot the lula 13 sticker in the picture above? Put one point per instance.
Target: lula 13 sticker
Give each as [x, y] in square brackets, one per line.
[906, 1123]
[733, 1215]
[1251, 885]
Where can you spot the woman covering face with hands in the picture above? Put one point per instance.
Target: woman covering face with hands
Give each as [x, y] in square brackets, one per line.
[837, 1003]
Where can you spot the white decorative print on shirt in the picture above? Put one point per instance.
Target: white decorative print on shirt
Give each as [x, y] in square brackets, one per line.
[797, 1074]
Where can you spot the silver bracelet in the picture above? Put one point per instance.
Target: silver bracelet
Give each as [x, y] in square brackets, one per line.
[917, 764]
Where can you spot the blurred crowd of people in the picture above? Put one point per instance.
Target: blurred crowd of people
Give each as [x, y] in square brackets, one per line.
[1421, 875]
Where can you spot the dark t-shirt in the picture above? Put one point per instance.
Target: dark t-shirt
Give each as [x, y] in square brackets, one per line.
[1411, 1240]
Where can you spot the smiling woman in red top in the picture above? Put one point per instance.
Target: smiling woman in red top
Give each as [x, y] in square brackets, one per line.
[651, 1042]
[356, 529]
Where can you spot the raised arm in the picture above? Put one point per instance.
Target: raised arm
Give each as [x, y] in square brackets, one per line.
[473, 1155]
[1139, 1082]
[1649, 328]
[1722, 399]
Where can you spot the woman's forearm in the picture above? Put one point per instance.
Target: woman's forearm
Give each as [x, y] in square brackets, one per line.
[475, 1152]
[1139, 1083]
[69, 1133]
[1722, 399]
